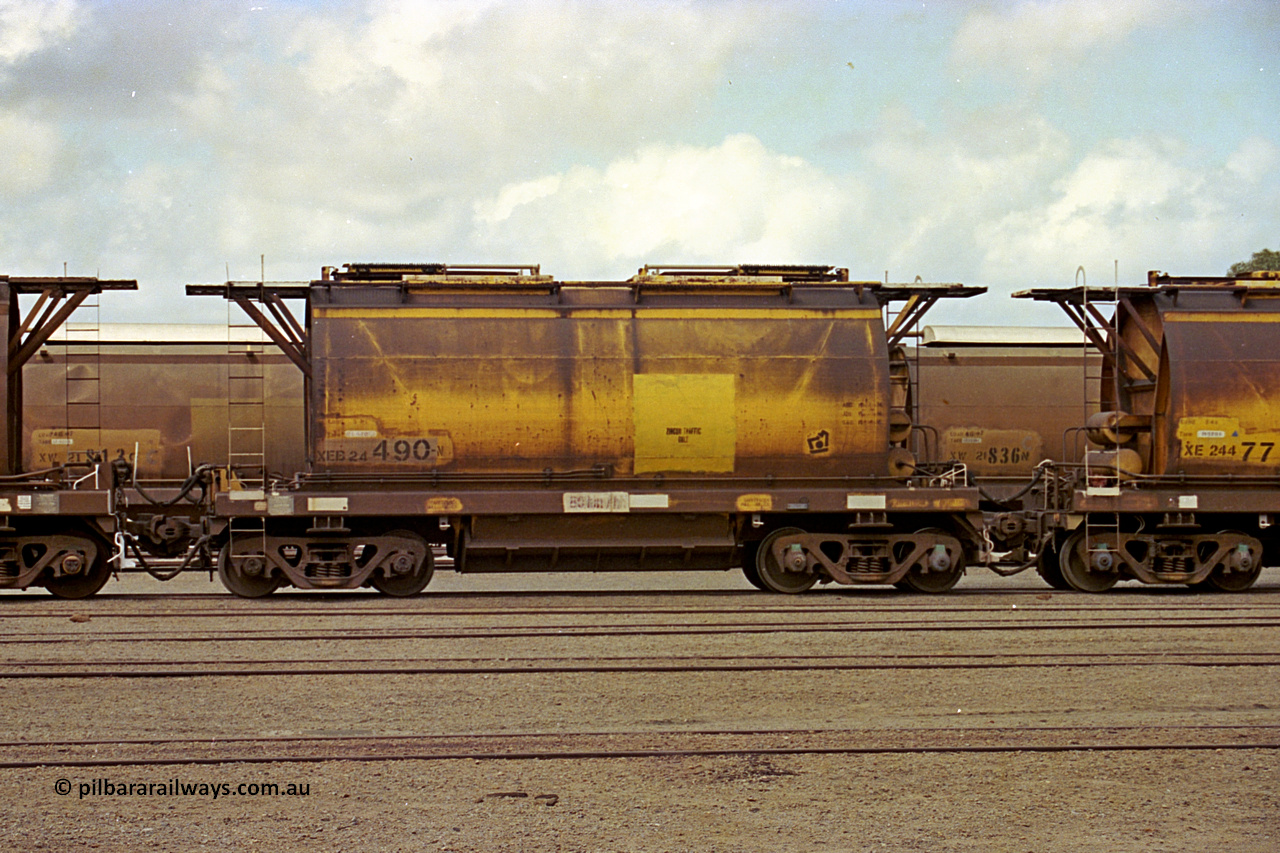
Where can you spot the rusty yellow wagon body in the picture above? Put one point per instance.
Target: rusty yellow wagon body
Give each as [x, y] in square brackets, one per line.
[692, 418]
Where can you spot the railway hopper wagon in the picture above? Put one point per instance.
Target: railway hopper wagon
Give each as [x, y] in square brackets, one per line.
[57, 520]
[163, 399]
[1180, 485]
[693, 418]
[1002, 401]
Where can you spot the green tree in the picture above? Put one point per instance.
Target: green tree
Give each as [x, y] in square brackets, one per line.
[1264, 260]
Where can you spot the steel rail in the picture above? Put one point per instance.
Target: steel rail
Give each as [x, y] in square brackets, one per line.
[578, 631]
[441, 736]
[1145, 594]
[1167, 657]
[549, 754]
[275, 671]
[95, 611]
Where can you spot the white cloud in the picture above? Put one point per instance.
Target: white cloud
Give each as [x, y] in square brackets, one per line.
[1147, 204]
[938, 183]
[384, 124]
[507, 77]
[735, 202]
[31, 151]
[28, 26]
[1038, 35]
[1254, 158]
[592, 137]
[404, 39]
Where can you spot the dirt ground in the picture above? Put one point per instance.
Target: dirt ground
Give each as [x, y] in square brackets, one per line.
[1217, 798]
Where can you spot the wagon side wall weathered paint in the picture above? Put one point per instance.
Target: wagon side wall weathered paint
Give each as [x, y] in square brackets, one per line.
[1218, 393]
[1001, 410]
[164, 397]
[726, 384]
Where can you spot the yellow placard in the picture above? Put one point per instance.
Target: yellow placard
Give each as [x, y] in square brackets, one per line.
[993, 451]
[58, 446]
[684, 422]
[1222, 439]
[443, 506]
[755, 503]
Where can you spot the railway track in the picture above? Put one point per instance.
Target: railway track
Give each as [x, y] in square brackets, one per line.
[332, 604]
[326, 613]
[488, 707]
[194, 585]
[160, 669]
[581, 746]
[347, 635]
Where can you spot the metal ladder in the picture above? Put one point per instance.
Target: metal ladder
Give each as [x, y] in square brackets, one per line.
[246, 423]
[246, 403]
[83, 390]
[1108, 524]
[905, 374]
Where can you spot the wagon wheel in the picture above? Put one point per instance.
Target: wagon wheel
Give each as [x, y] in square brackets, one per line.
[749, 570]
[246, 573]
[94, 573]
[1235, 581]
[946, 571]
[1047, 566]
[775, 578]
[418, 564]
[1074, 563]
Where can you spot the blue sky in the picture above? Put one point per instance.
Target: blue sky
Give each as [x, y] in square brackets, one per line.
[1002, 144]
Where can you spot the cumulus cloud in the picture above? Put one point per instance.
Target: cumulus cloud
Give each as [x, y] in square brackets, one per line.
[1039, 35]
[518, 79]
[1254, 159]
[31, 150]
[935, 183]
[208, 134]
[734, 202]
[1147, 204]
[388, 120]
[164, 139]
[28, 26]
